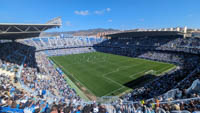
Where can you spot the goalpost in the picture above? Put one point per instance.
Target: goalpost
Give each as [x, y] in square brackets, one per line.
[151, 72]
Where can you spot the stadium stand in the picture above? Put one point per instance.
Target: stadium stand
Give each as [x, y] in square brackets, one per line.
[29, 82]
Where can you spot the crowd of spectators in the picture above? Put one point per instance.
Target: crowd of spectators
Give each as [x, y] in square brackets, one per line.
[58, 42]
[188, 45]
[13, 99]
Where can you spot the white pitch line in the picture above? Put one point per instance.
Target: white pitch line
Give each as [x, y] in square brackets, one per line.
[147, 70]
[165, 68]
[141, 72]
[76, 79]
[137, 73]
[118, 69]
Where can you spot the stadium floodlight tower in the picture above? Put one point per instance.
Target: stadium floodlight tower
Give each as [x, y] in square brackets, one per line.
[13, 31]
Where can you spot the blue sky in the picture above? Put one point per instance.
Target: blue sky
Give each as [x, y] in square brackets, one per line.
[118, 14]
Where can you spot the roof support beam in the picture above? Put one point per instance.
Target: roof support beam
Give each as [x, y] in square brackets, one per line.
[27, 28]
[36, 29]
[8, 29]
[18, 29]
[44, 29]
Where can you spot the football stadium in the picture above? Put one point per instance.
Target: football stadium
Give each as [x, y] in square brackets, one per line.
[99, 70]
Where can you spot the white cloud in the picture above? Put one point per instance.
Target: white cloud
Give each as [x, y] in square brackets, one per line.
[108, 9]
[110, 20]
[82, 12]
[68, 23]
[100, 12]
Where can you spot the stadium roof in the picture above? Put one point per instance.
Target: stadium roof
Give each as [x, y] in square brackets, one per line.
[144, 33]
[13, 31]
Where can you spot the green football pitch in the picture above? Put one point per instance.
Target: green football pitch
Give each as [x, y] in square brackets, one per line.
[105, 74]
